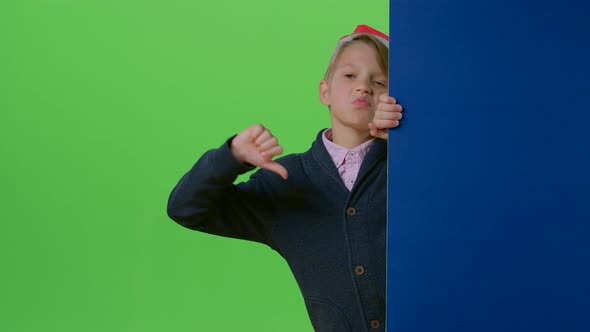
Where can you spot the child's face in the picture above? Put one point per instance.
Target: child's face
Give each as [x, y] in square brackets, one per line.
[353, 91]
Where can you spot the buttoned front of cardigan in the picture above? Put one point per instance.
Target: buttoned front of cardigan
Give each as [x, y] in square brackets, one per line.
[333, 239]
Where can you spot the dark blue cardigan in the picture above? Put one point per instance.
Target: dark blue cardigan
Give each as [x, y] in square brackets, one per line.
[332, 239]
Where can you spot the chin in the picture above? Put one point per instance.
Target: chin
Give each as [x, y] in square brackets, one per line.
[361, 127]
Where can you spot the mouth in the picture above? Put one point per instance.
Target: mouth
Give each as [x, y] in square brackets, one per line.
[361, 101]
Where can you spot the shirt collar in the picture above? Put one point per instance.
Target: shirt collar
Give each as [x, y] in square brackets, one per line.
[338, 153]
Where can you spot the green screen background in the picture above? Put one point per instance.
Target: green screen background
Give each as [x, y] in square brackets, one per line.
[104, 105]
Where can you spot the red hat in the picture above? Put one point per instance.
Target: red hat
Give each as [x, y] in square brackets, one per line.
[364, 30]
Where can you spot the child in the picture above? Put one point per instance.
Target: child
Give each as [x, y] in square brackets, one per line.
[322, 210]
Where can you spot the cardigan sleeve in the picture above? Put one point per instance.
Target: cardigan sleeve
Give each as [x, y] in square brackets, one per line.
[205, 199]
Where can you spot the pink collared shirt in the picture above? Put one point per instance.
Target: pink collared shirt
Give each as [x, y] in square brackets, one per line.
[347, 161]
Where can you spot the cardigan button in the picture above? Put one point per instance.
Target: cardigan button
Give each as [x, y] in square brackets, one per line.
[359, 269]
[350, 211]
[374, 324]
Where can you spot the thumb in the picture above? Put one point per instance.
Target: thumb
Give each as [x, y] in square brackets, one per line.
[376, 132]
[275, 167]
[373, 129]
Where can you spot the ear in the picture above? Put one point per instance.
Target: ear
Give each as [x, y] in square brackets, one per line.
[324, 93]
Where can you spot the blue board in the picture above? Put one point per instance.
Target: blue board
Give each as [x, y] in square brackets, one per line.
[489, 186]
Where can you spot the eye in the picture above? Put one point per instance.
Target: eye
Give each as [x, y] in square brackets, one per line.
[349, 75]
[380, 83]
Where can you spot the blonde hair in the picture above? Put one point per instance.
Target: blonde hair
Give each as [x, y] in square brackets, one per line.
[382, 53]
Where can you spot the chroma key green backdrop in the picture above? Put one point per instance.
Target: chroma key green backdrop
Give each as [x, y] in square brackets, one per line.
[103, 106]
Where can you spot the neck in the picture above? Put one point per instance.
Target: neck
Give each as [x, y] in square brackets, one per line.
[350, 138]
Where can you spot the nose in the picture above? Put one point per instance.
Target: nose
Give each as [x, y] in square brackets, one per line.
[364, 86]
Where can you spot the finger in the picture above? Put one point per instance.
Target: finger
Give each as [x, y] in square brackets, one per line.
[387, 99]
[269, 143]
[384, 124]
[271, 152]
[394, 108]
[383, 115]
[255, 130]
[265, 135]
[273, 166]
